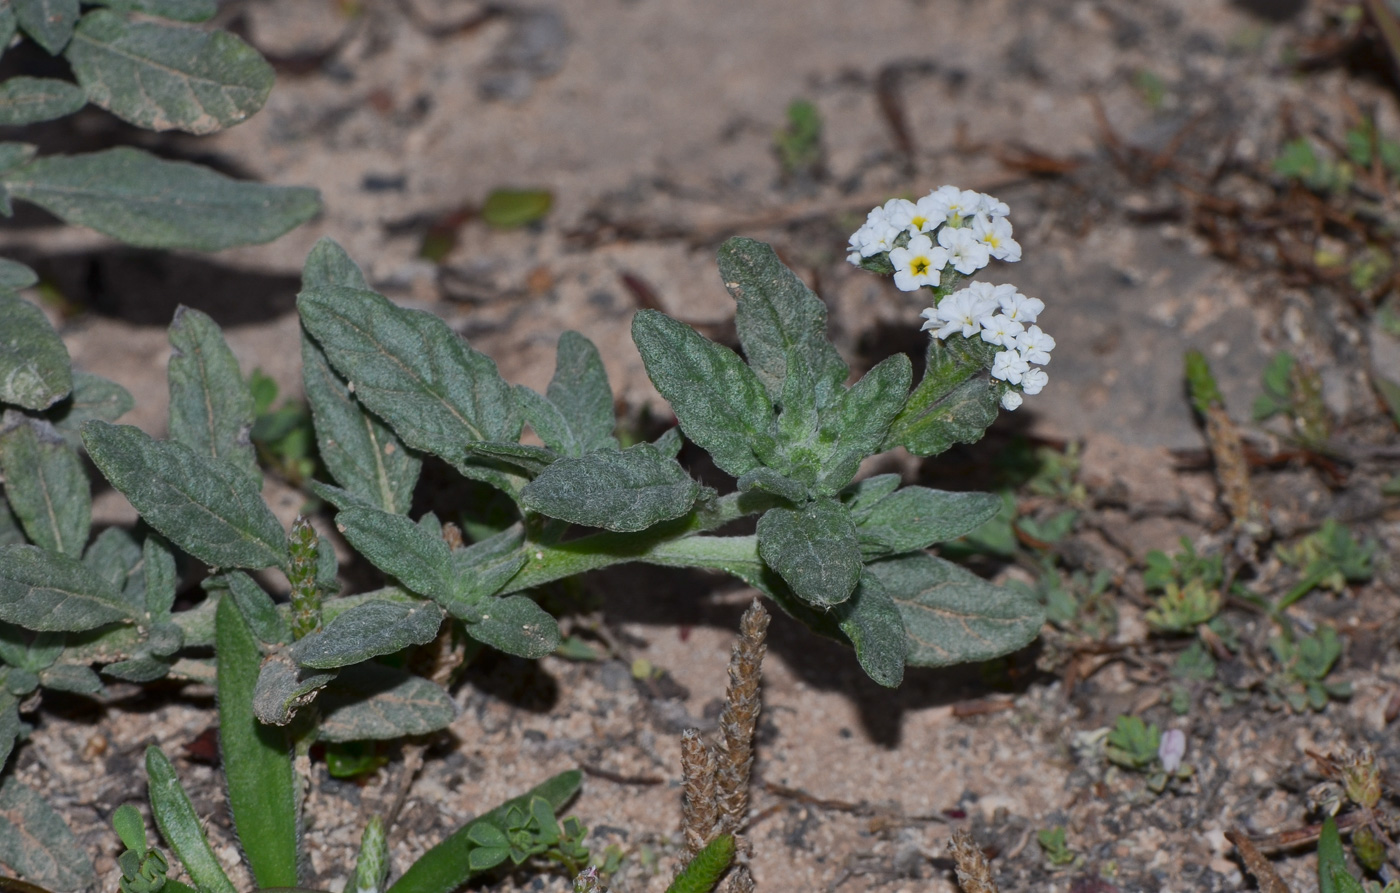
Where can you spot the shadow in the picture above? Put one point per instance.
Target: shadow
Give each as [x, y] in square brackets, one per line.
[522, 683]
[1276, 11]
[144, 287]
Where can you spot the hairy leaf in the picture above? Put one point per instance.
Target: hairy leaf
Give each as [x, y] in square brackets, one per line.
[580, 392]
[36, 843]
[179, 10]
[9, 24]
[9, 725]
[149, 202]
[34, 368]
[515, 625]
[814, 550]
[481, 569]
[370, 702]
[44, 590]
[92, 397]
[254, 605]
[27, 650]
[328, 264]
[862, 496]
[871, 620]
[702, 873]
[161, 582]
[719, 401]
[367, 631]
[15, 275]
[625, 491]
[410, 369]
[949, 406]
[954, 616]
[856, 425]
[141, 668]
[530, 459]
[257, 759]
[26, 100]
[115, 556]
[45, 484]
[779, 317]
[770, 481]
[912, 519]
[166, 77]
[75, 678]
[49, 22]
[283, 688]
[400, 548]
[211, 407]
[205, 507]
[180, 826]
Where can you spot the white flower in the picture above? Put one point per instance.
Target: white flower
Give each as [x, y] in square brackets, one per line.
[1171, 749]
[1000, 330]
[917, 217]
[957, 204]
[1009, 366]
[959, 313]
[993, 206]
[965, 253]
[1010, 400]
[1035, 345]
[995, 233]
[985, 296]
[1017, 306]
[917, 264]
[1034, 380]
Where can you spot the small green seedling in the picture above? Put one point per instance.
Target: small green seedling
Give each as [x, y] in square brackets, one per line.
[1329, 558]
[1057, 851]
[799, 143]
[1304, 664]
[1144, 748]
[1182, 609]
[1182, 568]
[1294, 389]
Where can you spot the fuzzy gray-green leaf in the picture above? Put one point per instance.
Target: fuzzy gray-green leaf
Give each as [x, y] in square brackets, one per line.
[856, 425]
[400, 548]
[92, 397]
[28, 650]
[75, 678]
[26, 100]
[719, 401]
[367, 631]
[283, 688]
[34, 369]
[912, 519]
[871, 620]
[166, 77]
[580, 390]
[813, 549]
[481, 569]
[410, 369]
[44, 590]
[953, 616]
[180, 825]
[36, 843]
[211, 407]
[115, 556]
[777, 317]
[9, 725]
[328, 264]
[158, 570]
[530, 459]
[370, 701]
[770, 481]
[179, 10]
[49, 22]
[45, 484]
[254, 605]
[15, 275]
[949, 406]
[625, 491]
[515, 625]
[210, 510]
[149, 202]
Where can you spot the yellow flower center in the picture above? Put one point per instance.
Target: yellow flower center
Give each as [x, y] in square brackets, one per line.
[919, 266]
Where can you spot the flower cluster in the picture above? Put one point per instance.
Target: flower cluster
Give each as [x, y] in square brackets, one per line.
[935, 243]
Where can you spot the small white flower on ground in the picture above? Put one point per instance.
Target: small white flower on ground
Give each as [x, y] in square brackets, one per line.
[1017, 306]
[1172, 749]
[965, 253]
[994, 207]
[960, 312]
[1035, 345]
[918, 263]
[1033, 381]
[1010, 400]
[1000, 330]
[958, 204]
[1009, 366]
[995, 233]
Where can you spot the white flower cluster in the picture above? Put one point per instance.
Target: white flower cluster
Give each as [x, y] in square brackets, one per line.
[962, 230]
[970, 229]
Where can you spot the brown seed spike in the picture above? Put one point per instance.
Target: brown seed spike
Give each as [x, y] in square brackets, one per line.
[740, 880]
[700, 808]
[739, 719]
[974, 871]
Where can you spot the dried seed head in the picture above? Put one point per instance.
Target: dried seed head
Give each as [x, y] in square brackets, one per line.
[700, 807]
[974, 871]
[740, 718]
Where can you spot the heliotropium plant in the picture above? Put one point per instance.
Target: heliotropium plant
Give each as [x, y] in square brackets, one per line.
[387, 386]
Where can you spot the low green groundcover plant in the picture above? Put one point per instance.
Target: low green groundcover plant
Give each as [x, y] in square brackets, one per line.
[388, 386]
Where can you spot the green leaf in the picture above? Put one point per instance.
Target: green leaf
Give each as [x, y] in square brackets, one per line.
[9, 24]
[446, 866]
[953, 616]
[205, 507]
[254, 605]
[779, 317]
[36, 843]
[371, 702]
[167, 77]
[45, 484]
[862, 496]
[813, 549]
[625, 491]
[949, 406]
[530, 459]
[43, 590]
[11, 534]
[26, 100]
[515, 625]
[409, 368]
[856, 425]
[115, 556]
[481, 569]
[179, 10]
[720, 403]
[10, 725]
[367, 631]
[34, 368]
[1332, 861]
[140, 669]
[149, 202]
[28, 651]
[509, 208]
[130, 828]
[669, 442]
[92, 397]
[180, 826]
[580, 392]
[75, 678]
[871, 620]
[769, 481]
[15, 275]
[400, 548]
[162, 583]
[283, 688]
[257, 759]
[912, 519]
[702, 873]
[211, 407]
[49, 22]
[328, 264]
